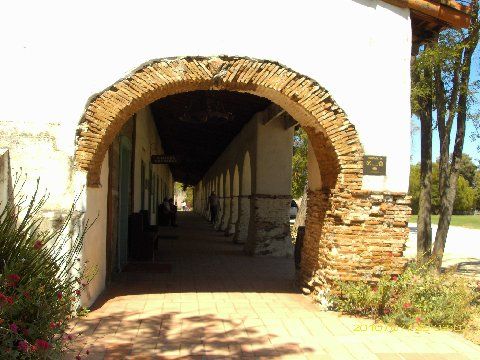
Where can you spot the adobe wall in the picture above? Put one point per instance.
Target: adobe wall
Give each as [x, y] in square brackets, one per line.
[53, 74]
[361, 236]
[261, 217]
[100, 242]
[365, 65]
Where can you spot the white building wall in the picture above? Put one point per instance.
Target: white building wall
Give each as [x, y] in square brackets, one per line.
[58, 54]
[147, 143]
[274, 158]
[358, 49]
[94, 249]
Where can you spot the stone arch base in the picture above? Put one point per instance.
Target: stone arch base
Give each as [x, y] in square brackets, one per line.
[362, 236]
[350, 234]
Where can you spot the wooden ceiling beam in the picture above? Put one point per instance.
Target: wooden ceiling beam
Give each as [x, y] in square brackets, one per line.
[272, 112]
[289, 121]
[447, 11]
[192, 142]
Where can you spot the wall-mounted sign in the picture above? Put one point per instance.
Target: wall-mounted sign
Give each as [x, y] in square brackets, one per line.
[163, 159]
[374, 165]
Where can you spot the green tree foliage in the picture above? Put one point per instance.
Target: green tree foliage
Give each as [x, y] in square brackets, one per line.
[443, 96]
[189, 196]
[467, 197]
[477, 190]
[299, 162]
[468, 169]
[181, 189]
[414, 186]
[435, 188]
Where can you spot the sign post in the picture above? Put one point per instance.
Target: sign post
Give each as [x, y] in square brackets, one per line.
[163, 159]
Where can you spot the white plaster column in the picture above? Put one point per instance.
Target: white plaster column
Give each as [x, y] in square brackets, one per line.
[232, 225]
[241, 231]
[243, 222]
[226, 203]
[221, 199]
[6, 186]
[269, 230]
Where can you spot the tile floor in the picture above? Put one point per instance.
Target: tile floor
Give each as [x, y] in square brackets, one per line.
[214, 302]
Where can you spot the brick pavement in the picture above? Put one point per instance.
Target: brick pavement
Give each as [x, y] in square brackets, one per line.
[217, 303]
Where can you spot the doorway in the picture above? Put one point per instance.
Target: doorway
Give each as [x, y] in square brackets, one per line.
[125, 161]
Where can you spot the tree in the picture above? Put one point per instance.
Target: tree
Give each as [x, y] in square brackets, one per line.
[422, 106]
[477, 190]
[414, 187]
[465, 199]
[453, 100]
[435, 188]
[468, 169]
[443, 94]
[189, 196]
[184, 191]
[299, 162]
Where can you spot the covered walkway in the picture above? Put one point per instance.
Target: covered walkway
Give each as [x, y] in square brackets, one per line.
[203, 298]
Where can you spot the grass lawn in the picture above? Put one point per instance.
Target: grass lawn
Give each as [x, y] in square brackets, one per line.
[466, 221]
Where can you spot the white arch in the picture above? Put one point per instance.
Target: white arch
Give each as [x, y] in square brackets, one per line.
[243, 223]
[226, 202]
[231, 228]
[246, 176]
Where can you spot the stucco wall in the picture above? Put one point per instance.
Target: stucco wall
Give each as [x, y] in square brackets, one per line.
[234, 154]
[147, 143]
[94, 248]
[53, 63]
[274, 158]
[6, 192]
[265, 221]
[358, 49]
[35, 153]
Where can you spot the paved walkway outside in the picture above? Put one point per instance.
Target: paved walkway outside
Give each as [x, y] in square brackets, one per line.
[217, 303]
[462, 248]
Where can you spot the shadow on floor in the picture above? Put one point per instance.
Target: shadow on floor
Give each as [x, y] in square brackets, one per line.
[127, 333]
[195, 258]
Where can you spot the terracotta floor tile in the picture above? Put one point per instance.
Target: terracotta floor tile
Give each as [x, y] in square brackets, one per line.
[388, 356]
[218, 303]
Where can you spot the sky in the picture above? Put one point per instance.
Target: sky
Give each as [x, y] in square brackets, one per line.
[471, 147]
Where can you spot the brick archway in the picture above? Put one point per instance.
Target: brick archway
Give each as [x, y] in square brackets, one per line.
[350, 234]
[310, 104]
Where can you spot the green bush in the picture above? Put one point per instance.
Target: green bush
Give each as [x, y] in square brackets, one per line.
[418, 297]
[40, 281]
[467, 194]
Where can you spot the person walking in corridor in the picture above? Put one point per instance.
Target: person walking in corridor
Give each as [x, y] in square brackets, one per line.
[214, 204]
[173, 212]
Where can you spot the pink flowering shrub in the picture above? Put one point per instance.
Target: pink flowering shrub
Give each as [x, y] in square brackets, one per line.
[418, 297]
[40, 282]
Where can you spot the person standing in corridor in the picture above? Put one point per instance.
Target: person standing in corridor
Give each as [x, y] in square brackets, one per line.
[214, 204]
[173, 212]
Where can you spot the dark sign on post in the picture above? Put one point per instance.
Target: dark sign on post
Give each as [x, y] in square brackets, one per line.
[374, 165]
[163, 159]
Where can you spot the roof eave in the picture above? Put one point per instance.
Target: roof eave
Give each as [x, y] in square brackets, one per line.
[448, 12]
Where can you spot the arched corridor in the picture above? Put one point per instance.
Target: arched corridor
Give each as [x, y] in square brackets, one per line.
[209, 113]
[117, 107]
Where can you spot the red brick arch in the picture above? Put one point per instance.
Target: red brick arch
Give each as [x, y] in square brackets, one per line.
[334, 138]
[350, 234]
